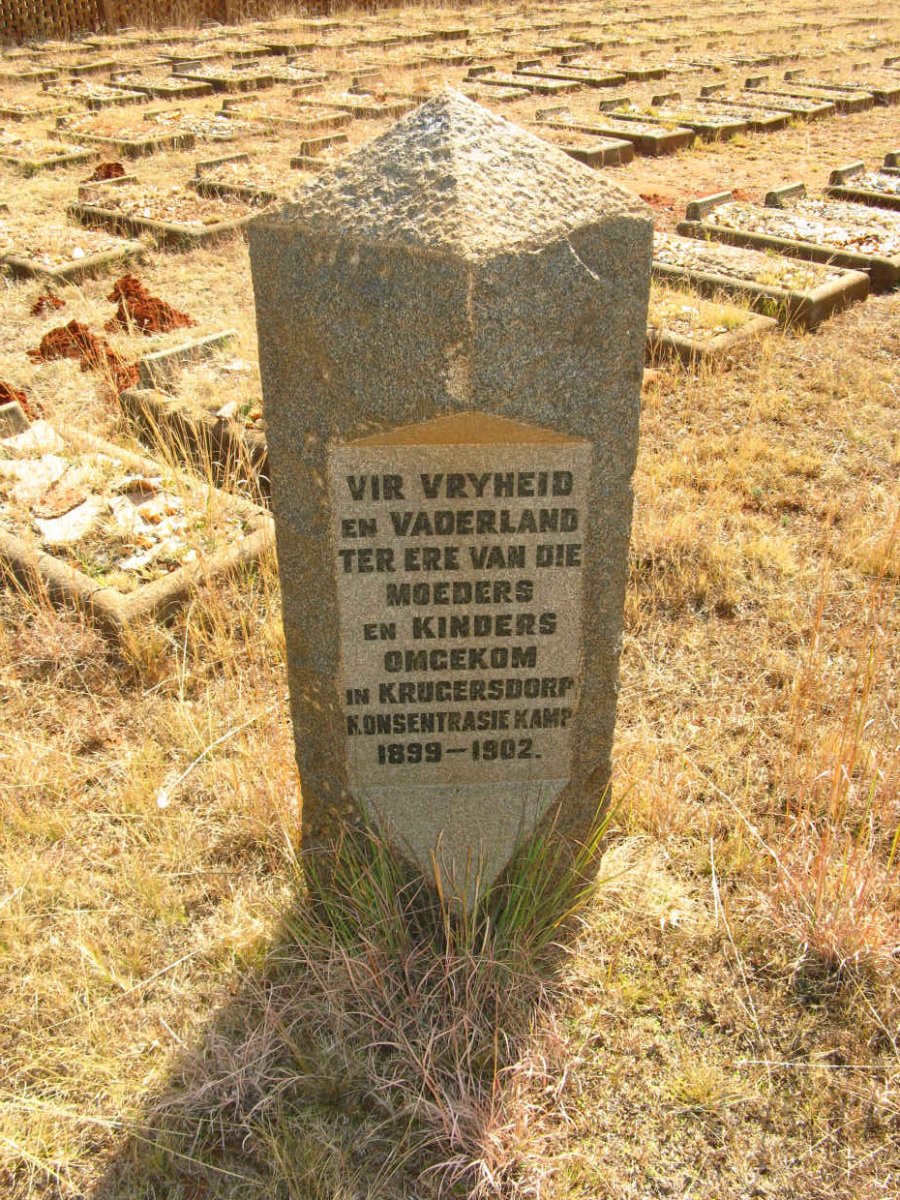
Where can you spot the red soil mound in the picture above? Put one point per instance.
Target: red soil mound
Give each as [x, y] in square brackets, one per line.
[45, 301]
[106, 170]
[137, 308]
[94, 354]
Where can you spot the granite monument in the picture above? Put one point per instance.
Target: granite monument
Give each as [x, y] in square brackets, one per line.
[451, 329]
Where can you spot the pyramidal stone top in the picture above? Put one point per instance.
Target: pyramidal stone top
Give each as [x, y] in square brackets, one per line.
[453, 176]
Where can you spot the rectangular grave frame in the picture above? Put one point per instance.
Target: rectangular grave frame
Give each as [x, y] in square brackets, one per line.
[366, 108]
[98, 103]
[813, 110]
[842, 101]
[707, 131]
[174, 234]
[13, 112]
[840, 186]
[201, 440]
[97, 67]
[883, 272]
[221, 188]
[183, 89]
[114, 612]
[882, 96]
[665, 344]
[537, 87]
[650, 144]
[33, 166]
[334, 119]
[76, 269]
[154, 143]
[761, 122]
[804, 309]
[605, 152]
[586, 79]
[227, 83]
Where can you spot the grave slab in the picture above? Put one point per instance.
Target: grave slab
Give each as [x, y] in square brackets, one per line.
[695, 330]
[647, 137]
[882, 93]
[455, 302]
[724, 219]
[116, 595]
[797, 293]
[877, 188]
[844, 102]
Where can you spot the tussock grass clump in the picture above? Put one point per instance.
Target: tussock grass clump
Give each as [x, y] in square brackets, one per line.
[394, 1044]
[837, 894]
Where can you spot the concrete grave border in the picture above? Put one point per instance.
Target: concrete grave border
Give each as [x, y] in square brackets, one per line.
[843, 102]
[81, 268]
[225, 82]
[113, 611]
[187, 89]
[216, 187]
[31, 166]
[309, 147]
[159, 366]
[763, 123]
[200, 439]
[883, 272]
[612, 152]
[804, 309]
[708, 131]
[841, 188]
[815, 112]
[177, 235]
[132, 147]
[97, 103]
[664, 344]
[334, 118]
[11, 112]
[645, 140]
[86, 190]
[882, 96]
[582, 76]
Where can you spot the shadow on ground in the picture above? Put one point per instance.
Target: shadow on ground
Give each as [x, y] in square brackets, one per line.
[384, 1048]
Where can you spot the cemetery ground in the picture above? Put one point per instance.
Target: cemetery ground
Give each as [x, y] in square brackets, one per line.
[723, 1018]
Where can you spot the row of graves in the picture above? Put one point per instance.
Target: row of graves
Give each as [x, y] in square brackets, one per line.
[122, 152]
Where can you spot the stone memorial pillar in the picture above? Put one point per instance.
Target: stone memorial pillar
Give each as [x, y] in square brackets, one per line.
[451, 328]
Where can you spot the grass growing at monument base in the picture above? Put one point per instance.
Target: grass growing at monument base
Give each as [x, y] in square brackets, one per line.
[391, 1043]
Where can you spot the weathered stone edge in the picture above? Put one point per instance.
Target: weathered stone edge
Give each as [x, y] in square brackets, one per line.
[165, 232]
[664, 343]
[805, 309]
[883, 272]
[77, 269]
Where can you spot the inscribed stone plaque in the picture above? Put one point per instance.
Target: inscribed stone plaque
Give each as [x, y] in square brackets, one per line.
[459, 559]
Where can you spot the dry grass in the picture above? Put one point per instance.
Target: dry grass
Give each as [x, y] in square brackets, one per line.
[176, 1022]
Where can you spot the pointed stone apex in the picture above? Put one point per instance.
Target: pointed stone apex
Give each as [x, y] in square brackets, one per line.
[453, 176]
